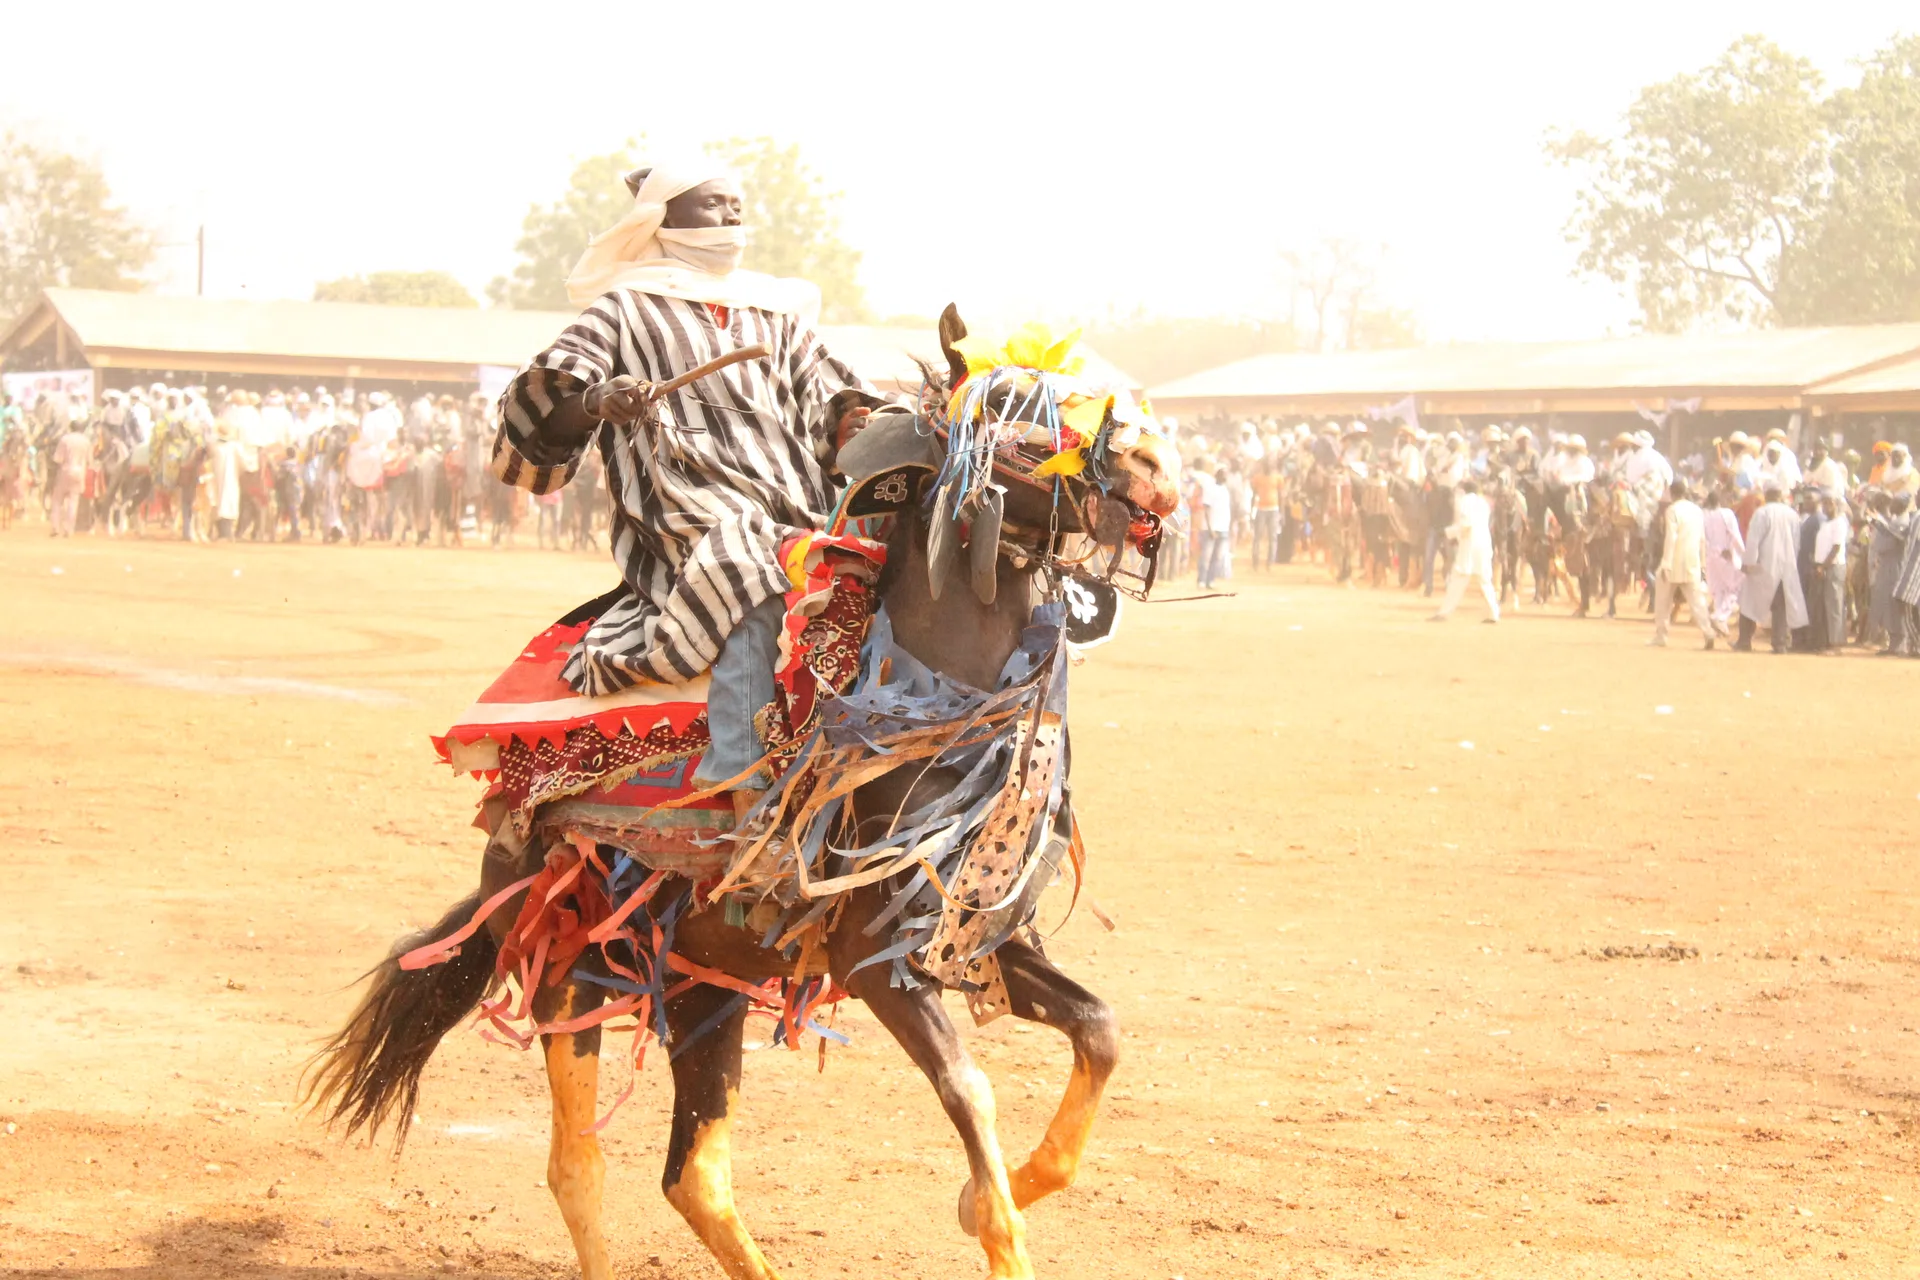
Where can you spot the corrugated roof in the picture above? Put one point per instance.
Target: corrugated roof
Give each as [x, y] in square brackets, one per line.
[154, 331]
[1895, 379]
[126, 322]
[1762, 360]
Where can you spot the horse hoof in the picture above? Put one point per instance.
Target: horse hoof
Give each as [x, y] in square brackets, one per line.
[967, 1222]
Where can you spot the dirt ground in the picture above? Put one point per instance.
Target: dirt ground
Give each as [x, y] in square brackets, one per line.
[1441, 951]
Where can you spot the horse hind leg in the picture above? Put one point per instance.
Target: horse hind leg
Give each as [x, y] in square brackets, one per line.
[698, 1181]
[576, 1170]
[1038, 992]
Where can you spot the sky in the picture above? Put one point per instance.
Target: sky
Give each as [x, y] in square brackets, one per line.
[1021, 159]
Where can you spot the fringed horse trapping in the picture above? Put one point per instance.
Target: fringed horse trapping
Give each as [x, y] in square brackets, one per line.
[923, 806]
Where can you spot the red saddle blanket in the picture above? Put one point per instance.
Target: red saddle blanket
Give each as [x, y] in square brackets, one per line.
[617, 769]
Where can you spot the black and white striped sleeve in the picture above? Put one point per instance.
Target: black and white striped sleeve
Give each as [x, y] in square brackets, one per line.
[818, 376]
[587, 352]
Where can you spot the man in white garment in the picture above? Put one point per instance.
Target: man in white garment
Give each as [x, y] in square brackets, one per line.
[1648, 472]
[1778, 467]
[1472, 534]
[1830, 570]
[1409, 461]
[1251, 449]
[1771, 591]
[1578, 467]
[1726, 553]
[1900, 475]
[1828, 474]
[226, 468]
[1682, 564]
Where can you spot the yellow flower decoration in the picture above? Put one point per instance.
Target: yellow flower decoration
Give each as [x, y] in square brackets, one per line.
[1031, 346]
[1085, 414]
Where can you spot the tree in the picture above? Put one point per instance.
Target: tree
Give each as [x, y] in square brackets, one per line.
[1334, 280]
[1382, 328]
[397, 289]
[1862, 261]
[554, 236]
[793, 227]
[1703, 204]
[59, 226]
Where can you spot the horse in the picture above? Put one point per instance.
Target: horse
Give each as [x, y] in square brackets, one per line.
[113, 457]
[1540, 544]
[1336, 520]
[1409, 513]
[1606, 529]
[370, 1071]
[1511, 540]
[1377, 526]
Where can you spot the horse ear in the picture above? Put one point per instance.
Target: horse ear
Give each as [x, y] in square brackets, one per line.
[952, 329]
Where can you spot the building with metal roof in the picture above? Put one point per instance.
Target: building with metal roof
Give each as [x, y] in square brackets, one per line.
[130, 338]
[1765, 369]
[1892, 388]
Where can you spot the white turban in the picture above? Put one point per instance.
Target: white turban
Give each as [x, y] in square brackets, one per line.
[633, 254]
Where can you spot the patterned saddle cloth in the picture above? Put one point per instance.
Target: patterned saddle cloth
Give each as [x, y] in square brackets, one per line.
[617, 770]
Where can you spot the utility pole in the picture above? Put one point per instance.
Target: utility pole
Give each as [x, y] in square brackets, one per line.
[200, 271]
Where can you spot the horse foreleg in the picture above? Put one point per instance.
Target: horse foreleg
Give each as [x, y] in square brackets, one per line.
[576, 1171]
[915, 1019]
[706, 1085]
[1039, 992]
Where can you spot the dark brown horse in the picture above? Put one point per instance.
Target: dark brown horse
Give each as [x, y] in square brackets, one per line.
[1606, 526]
[370, 1071]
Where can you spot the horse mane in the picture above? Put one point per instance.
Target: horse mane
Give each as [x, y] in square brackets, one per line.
[933, 385]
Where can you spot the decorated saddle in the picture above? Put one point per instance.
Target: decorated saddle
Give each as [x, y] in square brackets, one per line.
[615, 769]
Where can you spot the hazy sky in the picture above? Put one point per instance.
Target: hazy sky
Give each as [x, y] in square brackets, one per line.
[1018, 158]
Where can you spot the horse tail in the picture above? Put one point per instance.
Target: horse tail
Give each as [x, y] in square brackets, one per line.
[369, 1071]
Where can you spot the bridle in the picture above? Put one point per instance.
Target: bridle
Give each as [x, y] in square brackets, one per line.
[986, 448]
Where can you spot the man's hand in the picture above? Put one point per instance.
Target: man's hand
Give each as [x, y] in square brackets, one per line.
[620, 400]
[851, 424]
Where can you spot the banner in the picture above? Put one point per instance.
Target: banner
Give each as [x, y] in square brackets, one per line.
[1406, 410]
[27, 388]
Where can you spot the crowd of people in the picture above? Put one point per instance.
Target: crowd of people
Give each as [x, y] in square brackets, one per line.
[232, 463]
[1820, 547]
[1817, 545]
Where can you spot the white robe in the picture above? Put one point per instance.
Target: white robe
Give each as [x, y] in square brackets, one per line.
[1682, 557]
[1723, 574]
[226, 480]
[1472, 533]
[1773, 550]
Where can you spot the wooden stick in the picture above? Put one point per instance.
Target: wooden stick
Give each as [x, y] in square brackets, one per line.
[756, 352]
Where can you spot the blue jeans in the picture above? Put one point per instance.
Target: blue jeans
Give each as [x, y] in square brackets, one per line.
[1214, 549]
[739, 685]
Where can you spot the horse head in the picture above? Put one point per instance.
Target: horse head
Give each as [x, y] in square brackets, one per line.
[1057, 450]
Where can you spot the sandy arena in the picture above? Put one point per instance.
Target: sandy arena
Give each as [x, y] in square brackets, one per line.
[1442, 951]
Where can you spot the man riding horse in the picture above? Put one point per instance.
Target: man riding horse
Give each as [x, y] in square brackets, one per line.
[925, 800]
[738, 461]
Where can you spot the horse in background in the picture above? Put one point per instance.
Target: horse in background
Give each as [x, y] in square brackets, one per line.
[1410, 523]
[1510, 526]
[1335, 520]
[1607, 526]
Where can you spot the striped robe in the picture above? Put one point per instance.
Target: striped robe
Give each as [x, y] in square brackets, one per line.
[698, 514]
